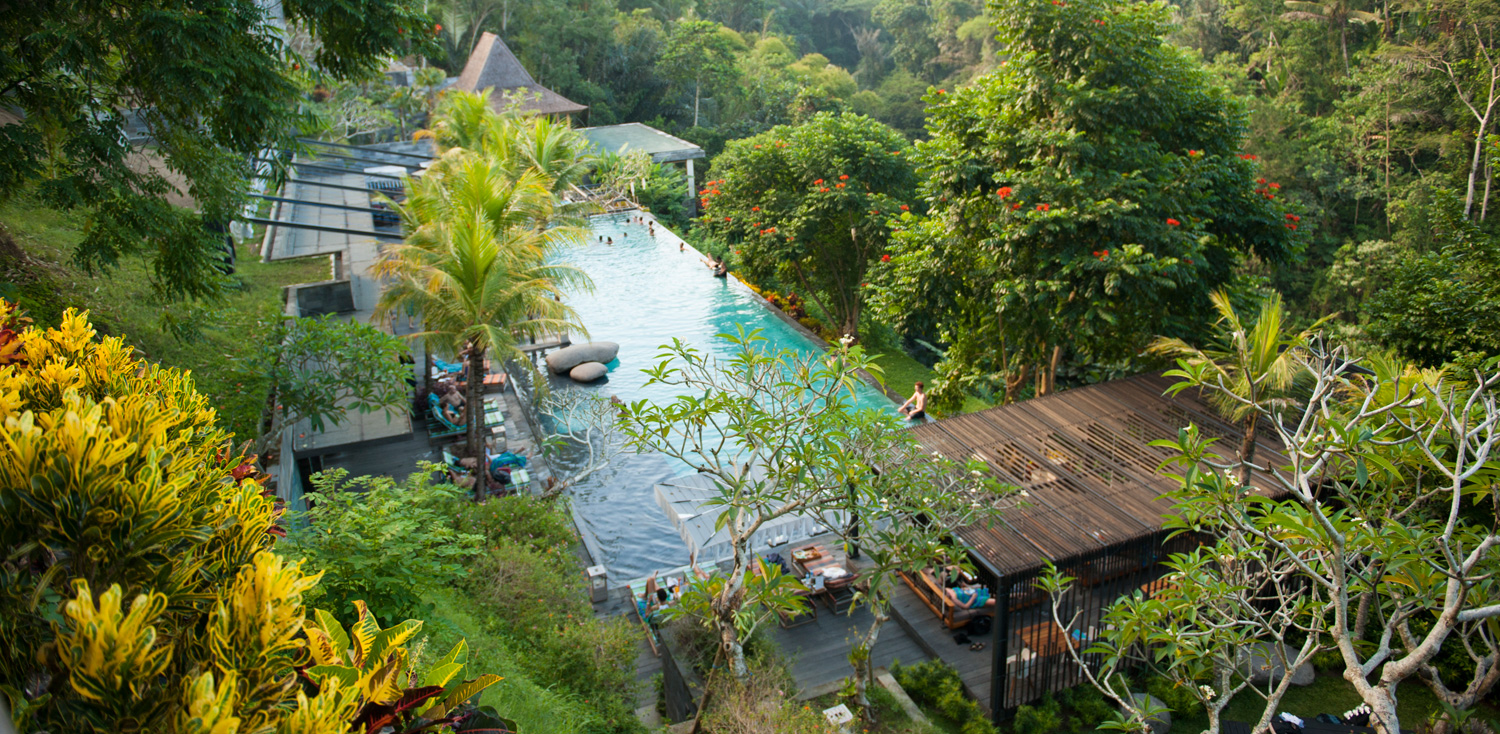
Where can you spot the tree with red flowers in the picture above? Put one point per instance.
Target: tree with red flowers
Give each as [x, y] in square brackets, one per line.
[1084, 197]
[805, 206]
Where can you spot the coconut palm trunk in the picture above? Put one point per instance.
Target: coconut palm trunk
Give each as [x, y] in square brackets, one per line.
[474, 398]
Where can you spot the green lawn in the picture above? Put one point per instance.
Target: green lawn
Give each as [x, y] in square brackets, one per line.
[122, 303]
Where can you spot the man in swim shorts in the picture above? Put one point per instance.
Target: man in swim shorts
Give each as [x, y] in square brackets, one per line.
[917, 404]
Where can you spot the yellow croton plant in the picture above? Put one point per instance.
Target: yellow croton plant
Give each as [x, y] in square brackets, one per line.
[139, 591]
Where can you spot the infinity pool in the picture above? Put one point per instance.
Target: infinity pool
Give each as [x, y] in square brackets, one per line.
[646, 292]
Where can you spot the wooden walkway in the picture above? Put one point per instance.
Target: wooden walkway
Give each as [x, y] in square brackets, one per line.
[936, 640]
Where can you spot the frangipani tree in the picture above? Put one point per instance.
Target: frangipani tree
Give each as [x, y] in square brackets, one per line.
[779, 433]
[1383, 514]
[905, 504]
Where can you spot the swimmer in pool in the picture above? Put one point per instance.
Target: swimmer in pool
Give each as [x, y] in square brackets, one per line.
[682, 247]
[609, 241]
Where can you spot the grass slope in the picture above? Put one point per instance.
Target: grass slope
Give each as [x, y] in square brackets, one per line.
[122, 303]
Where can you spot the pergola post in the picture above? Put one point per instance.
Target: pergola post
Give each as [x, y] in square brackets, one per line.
[692, 191]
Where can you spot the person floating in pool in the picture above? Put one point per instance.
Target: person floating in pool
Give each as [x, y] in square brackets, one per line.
[918, 404]
[609, 240]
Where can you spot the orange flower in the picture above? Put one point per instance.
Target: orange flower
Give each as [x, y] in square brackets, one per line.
[1172, 222]
[905, 208]
[844, 177]
[840, 186]
[818, 182]
[754, 208]
[1044, 207]
[1003, 192]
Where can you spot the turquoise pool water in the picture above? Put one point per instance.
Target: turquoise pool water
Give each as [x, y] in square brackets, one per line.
[646, 292]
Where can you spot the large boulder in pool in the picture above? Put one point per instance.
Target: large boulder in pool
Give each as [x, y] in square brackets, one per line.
[564, 360]
[588, 372]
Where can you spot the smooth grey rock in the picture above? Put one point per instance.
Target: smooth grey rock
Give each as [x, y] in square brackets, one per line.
[1160, 723]
[1263, 666]
[588, 372]
[564, 360]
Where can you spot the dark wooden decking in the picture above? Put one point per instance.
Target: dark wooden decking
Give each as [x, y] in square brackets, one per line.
[935, 640]
[398, 458]
[819, 651]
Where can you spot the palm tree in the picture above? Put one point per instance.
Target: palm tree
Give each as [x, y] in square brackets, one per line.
[1337, 14]
[479, 269]
[463, 120]
[1253, 364]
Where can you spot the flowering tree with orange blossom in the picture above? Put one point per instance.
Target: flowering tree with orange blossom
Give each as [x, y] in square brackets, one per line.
[1085, 196]
[805, 206]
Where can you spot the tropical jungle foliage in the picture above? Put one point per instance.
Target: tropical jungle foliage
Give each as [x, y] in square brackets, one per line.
[141, 591]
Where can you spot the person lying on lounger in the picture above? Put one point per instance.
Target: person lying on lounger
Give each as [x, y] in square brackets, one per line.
[969, 597]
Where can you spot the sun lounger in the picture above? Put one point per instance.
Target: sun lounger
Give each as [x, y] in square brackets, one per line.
[638, 587]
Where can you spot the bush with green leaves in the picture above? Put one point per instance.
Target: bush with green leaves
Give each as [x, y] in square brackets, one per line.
[529, 581]
[1044, 717]
[382, 542]
[937, 685]
[1086, 708]
[1176, 697]
[142, 590]
[538, 524]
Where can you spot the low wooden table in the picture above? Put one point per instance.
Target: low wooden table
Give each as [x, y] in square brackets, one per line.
[833, 588]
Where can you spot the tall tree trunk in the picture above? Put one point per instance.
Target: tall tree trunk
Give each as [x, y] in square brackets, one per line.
[474, 393]
[1484, 205]
[1474, 163]
[860, 657]
[1247, 448]
[697, 86]
[1014, 383]
[1047, 376]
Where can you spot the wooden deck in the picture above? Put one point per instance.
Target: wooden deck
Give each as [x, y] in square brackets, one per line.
[928, 633]
[819, 651]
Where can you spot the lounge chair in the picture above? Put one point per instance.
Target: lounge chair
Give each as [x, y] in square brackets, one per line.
[935, 597]
[441, 427]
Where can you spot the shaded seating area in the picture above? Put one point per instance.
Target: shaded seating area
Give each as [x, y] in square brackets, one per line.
[1093, 503]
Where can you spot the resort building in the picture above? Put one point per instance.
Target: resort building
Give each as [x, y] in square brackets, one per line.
[492, 66]
[1092, 502]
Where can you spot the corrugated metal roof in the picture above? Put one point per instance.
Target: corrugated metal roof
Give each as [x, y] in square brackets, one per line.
[1082, 459]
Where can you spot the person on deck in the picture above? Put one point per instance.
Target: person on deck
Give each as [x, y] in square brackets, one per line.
[652, 600]
[917, 404]
[970, 597]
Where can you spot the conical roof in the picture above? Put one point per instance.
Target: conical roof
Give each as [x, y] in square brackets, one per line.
[493, 66]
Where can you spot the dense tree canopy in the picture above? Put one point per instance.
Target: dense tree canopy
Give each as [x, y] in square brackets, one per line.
[210, 84]
[1085, 196]
[805, 205]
